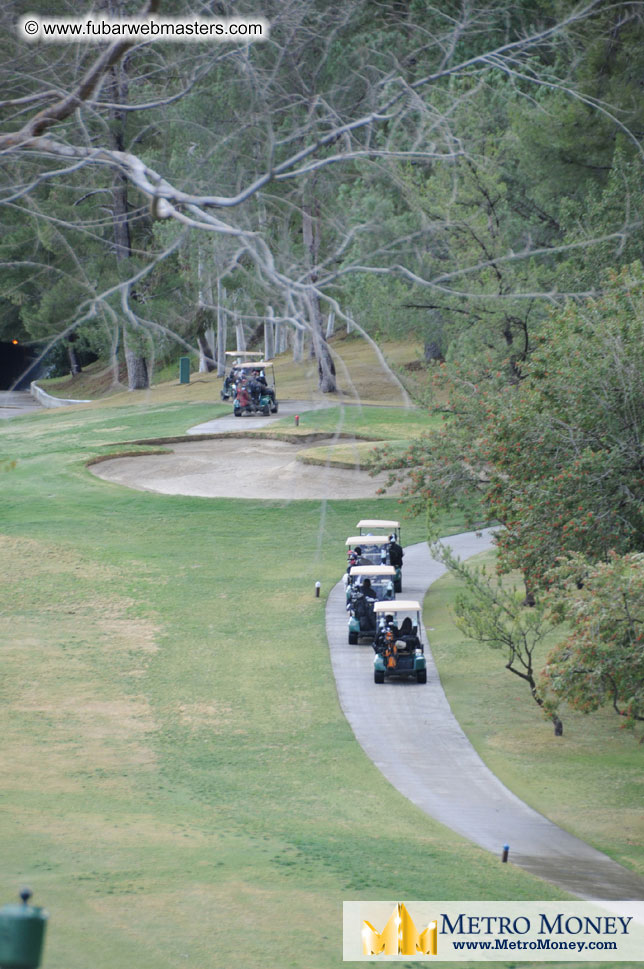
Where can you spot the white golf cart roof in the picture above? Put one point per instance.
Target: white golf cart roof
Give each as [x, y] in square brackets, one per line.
[253, 364]
[244, 353]
[397, 605]
[375, 570]
[368, 540]
[378, 523]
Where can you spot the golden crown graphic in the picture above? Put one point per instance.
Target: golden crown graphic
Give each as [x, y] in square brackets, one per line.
[400, 937]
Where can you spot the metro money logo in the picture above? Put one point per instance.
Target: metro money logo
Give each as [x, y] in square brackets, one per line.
[400, 937]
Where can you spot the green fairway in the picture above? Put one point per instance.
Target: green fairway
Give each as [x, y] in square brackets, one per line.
[372, 423]
[589, 781]
[179, 783]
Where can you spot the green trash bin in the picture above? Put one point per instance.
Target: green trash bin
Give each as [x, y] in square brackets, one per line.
[184, 370]
[22, 932]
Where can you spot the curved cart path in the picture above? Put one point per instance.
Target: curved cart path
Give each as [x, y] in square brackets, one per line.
[436, 767]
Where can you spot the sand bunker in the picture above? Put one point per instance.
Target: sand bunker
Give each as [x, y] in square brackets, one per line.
[237, 468]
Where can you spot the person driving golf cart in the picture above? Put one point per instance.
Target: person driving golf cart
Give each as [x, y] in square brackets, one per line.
[259, 396]
[236, 371]
[378, 578]
[259, 386]
[398, 645]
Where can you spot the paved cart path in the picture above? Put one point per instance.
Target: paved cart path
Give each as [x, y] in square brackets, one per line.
[13, 403]
[428, 758]
[287, 408]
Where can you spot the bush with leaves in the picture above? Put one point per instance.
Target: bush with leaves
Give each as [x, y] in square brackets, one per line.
[601, 661]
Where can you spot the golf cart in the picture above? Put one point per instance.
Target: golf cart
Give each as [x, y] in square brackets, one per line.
[360, 601]
[255, 389]
[236, 365]
[398, 644]
[374, 550]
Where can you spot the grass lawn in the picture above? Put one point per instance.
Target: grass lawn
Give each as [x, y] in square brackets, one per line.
[374, 423]
[179, 785]
[352, 454]
[590, 781]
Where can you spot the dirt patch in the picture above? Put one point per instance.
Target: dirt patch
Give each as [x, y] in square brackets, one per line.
[237, 468]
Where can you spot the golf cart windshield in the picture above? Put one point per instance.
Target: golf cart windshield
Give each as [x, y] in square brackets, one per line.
[264, 369]
[373, 547]
[381, 578]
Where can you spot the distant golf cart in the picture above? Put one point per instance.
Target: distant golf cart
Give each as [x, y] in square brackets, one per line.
[255, 389]
[361, 600]
[237, 360]
[398, 644]
[375, 550]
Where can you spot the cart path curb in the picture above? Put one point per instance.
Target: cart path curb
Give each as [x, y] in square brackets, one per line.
[428, 758]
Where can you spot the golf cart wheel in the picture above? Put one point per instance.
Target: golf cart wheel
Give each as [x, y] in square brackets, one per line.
[237, 412]
[353, 639]
[398, 585]
[266, 410]
[421, 676]
[378, 676]
[274, 408]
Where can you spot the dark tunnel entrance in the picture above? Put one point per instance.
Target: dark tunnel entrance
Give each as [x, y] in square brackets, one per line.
[17, 367]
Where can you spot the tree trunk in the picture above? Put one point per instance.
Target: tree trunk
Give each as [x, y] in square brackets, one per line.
[206, 352]
[433, 352]
[204, 313]
[74, 364]
[138, 376]
[556, 722]
[240, 336]
[222, 331]
[278, 337]
[320, 348]
[211, 340]
[269, 335]
[330, 324]
[298, 345]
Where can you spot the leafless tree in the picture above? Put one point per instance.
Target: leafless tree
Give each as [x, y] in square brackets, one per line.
[253, 180]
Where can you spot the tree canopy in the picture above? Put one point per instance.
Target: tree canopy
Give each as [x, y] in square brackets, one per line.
[434, 157]
[601, 661]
